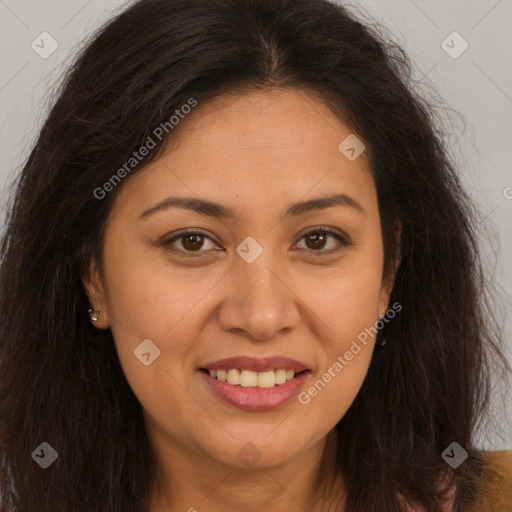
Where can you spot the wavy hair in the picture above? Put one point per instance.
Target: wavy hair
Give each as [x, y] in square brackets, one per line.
[60, 378]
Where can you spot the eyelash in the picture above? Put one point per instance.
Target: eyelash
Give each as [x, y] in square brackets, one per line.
[318, 230]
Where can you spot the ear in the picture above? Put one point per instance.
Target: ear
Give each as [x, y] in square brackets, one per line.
[389, 280]
[95, 291]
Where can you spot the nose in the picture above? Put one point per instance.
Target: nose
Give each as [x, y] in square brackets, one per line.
[260, 302]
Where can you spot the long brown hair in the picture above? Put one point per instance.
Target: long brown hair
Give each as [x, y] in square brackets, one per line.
[60, 379]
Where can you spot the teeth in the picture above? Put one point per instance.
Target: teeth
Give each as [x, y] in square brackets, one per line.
[250, 379]
[266, 379]
[233, 376]
[280, 376]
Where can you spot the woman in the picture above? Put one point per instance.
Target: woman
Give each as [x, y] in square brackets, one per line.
[240, 272]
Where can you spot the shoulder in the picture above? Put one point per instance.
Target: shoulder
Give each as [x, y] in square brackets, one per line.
[496, 488]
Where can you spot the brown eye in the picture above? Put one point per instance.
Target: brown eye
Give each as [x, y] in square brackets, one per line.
[191, 242]
[317, 239]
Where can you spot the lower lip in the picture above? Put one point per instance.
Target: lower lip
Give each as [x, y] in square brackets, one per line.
[256, 399]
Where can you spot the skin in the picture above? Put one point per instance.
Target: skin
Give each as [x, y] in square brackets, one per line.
[257, 153]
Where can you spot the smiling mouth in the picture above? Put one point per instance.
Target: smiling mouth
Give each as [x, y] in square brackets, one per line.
[251, 379]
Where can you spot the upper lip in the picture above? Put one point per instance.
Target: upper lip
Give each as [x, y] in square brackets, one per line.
[257, 365]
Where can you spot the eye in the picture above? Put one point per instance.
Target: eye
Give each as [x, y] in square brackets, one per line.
[316, 240]
[193, 241]
[190, 241]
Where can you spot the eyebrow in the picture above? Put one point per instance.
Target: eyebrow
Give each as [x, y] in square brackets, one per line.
[217, 210]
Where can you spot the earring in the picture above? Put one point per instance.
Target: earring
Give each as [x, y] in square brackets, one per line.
[381, 340]
[94, 316]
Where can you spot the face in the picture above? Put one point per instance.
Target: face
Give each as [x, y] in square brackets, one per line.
[273, 272]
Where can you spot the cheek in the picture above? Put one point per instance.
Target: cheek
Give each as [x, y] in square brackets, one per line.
[347, 314]
[148, 301]
[346, 297]
[346, 305]
[152, 301]
[334, 388]
[147, 295]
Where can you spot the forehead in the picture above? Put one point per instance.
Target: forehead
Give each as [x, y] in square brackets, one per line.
[270, 123]
[280, 144]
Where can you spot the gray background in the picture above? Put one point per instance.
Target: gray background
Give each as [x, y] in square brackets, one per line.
[475, 87]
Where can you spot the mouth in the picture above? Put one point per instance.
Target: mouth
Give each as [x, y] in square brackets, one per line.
[255, 384]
